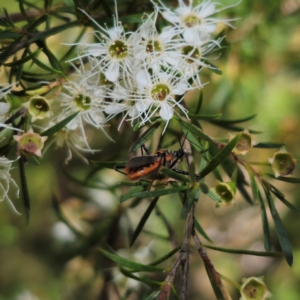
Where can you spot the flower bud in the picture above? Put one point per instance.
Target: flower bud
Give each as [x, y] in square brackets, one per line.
[244, 144]
[253, 288]
[38, 107]
[30, 143]
[226, 192]
[282, 162]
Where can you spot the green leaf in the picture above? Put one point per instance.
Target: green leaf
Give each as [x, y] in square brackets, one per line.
[194, 142]
[212, 67]
[214, 197]
[8, 19]
[201, 230]
[7, 34]
[108, 164]
[254, 186]
[285, 179]
[242, 251]
[143, 220]
[23, 60]
[230, 122]
[130, 193]
[139, 278]
[4, 23]
[192, 196]
[25, 193]
[159, 193]
[281, 232]
[20, 70]
[45, 67]
[153, 296]
[220, 157]
[194, 130]
[9, 50]
[265, 223]
[203, 117]
[54, 30]
[23, 11]
[51, 57]
[131, 18]
[199, 103]
[32, 5]
[126, 263]
[284, 201]
[165, 257]
[154, 235]
[144, 137]
[134, 183]
[225, 125]
[268, 145]
[37, 22]
[173, 174]
[204, 187]
[57, 127]
[241, 187]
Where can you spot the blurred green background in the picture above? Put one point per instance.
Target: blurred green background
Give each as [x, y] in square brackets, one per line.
[46, 260]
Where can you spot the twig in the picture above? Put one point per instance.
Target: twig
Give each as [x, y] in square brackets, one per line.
[182, 260]
[211, 271]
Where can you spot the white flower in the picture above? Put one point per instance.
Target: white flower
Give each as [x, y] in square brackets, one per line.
[5, 89]
[123, 101]
[194, 23]
[159, 90]
[155, 49]
[38, 107]
[113, 51]
[83, 94]
[193, 59]
[4, 110]
[6, 181]
[73, 142]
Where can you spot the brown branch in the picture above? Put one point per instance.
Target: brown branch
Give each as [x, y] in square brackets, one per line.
[182, 260]
[18, 17]
[211, 271]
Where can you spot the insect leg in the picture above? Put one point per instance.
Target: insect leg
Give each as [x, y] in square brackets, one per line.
[144, 147]
[117, 168]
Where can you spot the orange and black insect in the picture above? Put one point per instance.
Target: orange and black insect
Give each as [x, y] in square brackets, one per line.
[148, 166]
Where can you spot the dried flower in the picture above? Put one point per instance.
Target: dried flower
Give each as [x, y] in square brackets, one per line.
[244, 144]
[283, 163]
[254, 288]
[38, 107]
[225, 192]
[30, 143]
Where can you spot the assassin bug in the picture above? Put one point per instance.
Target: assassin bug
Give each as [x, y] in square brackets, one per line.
[149, 165]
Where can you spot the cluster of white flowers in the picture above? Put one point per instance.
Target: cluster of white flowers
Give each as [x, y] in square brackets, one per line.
[145, 73]
[141, 75]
